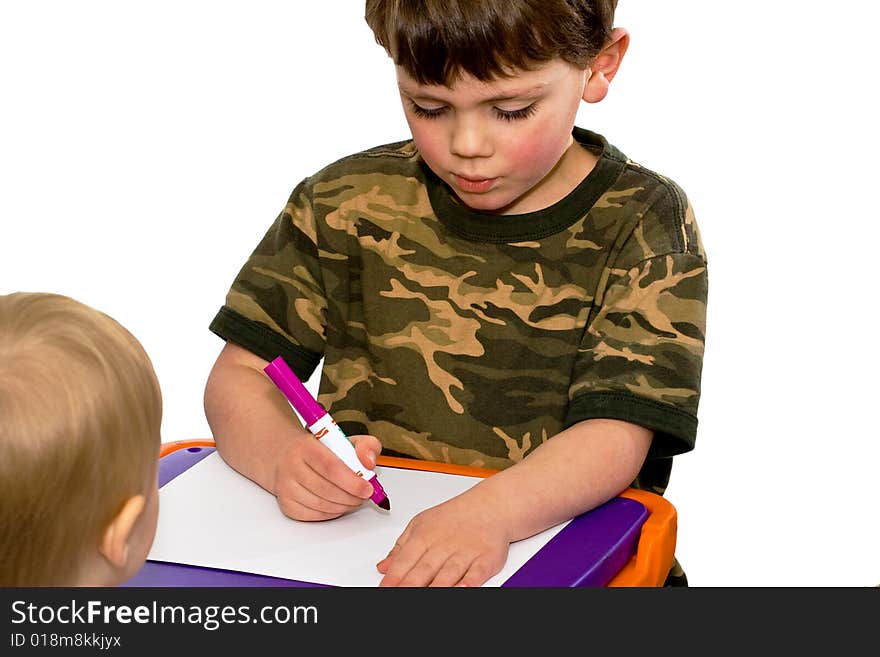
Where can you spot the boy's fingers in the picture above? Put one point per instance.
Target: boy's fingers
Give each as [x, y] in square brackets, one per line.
[300, 503]
[333, 469]
[414, 567]
[346, 490]
[399, 561]
[477, 573]
[451, 572]
[307, 480]
[385, 563]
[367, 448]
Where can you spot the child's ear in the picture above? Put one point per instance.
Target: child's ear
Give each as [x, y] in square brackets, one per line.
[605, 66]
[115, 541]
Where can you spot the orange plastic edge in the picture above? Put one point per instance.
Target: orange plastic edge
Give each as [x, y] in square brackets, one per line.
[434, 466]
[167, 448]
[656, 547]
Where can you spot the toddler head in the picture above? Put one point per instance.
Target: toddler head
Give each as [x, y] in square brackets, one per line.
[80, 415]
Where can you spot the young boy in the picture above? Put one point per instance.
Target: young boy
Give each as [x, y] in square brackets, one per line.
[79, 445]
[504, 290]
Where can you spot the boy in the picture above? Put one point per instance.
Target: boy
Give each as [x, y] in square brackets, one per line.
[504, 290]
[79, 445]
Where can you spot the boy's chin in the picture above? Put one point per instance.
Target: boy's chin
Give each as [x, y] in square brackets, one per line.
[491, 203]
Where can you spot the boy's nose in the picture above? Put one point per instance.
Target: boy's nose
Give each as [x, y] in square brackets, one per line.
[470, 139]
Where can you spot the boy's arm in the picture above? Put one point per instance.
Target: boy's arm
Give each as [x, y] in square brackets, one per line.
[259, 435]
[579, 469]
[247, 418]
[465, 540]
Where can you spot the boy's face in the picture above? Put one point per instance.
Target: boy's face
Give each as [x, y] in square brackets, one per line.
[503, 146]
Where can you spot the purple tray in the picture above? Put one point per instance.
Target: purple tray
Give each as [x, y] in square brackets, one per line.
[589, 551]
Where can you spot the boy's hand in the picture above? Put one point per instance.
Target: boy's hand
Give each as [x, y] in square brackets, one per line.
[312, 483]
[460, 542]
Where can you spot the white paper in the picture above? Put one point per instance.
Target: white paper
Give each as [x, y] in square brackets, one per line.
[212, 516]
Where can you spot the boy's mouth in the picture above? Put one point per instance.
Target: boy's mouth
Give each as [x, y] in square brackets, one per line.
[473, 185]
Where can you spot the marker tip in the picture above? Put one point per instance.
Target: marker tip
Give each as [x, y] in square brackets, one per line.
[385, 504]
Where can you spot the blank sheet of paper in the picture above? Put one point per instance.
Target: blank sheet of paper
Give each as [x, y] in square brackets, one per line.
[212, 516]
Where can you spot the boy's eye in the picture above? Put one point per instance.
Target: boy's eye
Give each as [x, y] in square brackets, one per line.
[517, 114]
[506, 115]
[425, 112]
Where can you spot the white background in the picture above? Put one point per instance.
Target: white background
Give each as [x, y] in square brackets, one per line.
[146, 147]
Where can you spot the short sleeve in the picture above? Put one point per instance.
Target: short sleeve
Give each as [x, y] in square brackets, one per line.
[276, 305]
[641, 355]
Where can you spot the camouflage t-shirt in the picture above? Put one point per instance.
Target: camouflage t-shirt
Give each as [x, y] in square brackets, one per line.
[460, 336]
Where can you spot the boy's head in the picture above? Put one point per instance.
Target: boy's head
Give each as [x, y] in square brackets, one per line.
[491, 90]
[435, 41]
[80, 415]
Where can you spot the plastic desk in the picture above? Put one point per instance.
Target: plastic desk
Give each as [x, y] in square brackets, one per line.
[628, 541]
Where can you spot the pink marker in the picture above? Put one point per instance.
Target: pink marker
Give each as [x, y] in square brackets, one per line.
[322, 426]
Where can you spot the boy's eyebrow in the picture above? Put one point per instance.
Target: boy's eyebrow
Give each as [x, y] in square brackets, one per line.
[507, 95]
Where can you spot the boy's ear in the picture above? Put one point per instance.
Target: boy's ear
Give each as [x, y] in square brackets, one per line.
[114, 543]
[605, 66]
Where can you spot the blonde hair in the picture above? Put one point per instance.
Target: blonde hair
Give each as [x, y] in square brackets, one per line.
[80, 416]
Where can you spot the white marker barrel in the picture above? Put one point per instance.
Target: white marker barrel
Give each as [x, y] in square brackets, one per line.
[326, 430]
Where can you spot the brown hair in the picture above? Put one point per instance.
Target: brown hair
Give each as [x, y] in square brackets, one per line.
[435, 41]
[80, 415]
